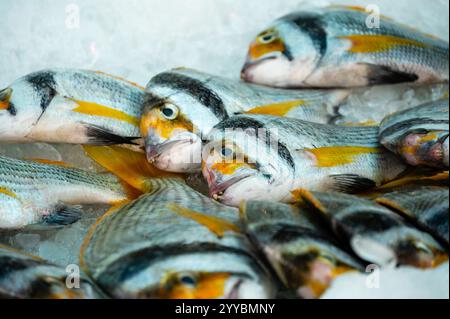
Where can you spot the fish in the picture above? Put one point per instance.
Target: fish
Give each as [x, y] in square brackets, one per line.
[183, 105]
[420, 135]
[304, 255]
[374, 232]
[24, 276]
[260, 157]
[166, 245]
[335, 47]
[50, 194]
[71, 106]
[172, 243]
[425, 206]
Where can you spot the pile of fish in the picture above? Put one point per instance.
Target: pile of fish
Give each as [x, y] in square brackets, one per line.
[298, 193]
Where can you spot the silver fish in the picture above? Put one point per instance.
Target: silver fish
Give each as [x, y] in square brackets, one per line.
[335, 47]
[256, 157]
[23, 276]
[424, 205]
[420, 135]
[71, 106]
[375, 233]
[302, 253]
[32, 192]
[173, 243]
[183, 105]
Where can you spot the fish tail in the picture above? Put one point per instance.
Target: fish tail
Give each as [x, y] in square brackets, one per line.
[130, 166]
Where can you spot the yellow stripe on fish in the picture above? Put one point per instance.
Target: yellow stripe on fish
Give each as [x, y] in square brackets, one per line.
[277, 109]
[378, 43]
[216, 225]
[332, 156]
[94, 109]
[120, 79]
[7, 192]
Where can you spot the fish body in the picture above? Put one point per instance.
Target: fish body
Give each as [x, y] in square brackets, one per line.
[32, 192]
[24, 276]
[304, 256]
[257, 157]
[375, 233]
[420, 135]
[338, 47]
[183, 105]
[424, 205]
[70, 106]
[173, 243]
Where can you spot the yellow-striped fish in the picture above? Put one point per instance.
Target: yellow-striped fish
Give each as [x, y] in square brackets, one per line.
[343, 47]
[71, 106]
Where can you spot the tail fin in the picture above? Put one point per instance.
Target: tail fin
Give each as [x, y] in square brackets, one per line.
[132, 167]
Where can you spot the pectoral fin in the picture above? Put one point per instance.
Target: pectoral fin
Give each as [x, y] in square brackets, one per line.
[379, 74]
[100, 136]
[63, 215]
[350, 183]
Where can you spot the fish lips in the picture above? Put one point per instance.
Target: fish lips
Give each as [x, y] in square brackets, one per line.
[154, 151]
[249, 65]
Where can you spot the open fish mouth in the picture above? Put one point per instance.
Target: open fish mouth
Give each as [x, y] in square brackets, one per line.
[217, 191]
[155, 151]
[234, 292]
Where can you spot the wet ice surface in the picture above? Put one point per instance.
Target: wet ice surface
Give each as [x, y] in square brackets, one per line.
[139, 39]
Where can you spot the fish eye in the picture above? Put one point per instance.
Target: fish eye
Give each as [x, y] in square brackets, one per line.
[267, 37]
[423, 248]
[188, 280]
[226, 151]
[169, 111]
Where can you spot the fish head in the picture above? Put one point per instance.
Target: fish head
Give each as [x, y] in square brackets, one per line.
[20, 109]
[179, 109]
[205, 275]
[243, 167]
[283, 55]
[171, 142]
[420, 251]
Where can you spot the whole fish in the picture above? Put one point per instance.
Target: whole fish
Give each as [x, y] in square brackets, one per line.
[426, 206]
[304, 256]
[420, 135]
[71, 106]
[339, 47]
[183, 105]
[24, 276]
[172, 243]
[32, 192]
[375, 233]
[257, 157]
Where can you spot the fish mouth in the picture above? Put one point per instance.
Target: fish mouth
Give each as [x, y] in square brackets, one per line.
[154, 151]
[252, 64]
[217, 191]
[234, 292]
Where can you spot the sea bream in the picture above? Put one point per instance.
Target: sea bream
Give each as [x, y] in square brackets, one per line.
[183, 105]
[420, 135]
[426, 206]
[375, 233]
[258, 157]
[336, 47]
[304, 255]
[35, 192]
[172, 242]
[23, 276]
[71, 106]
